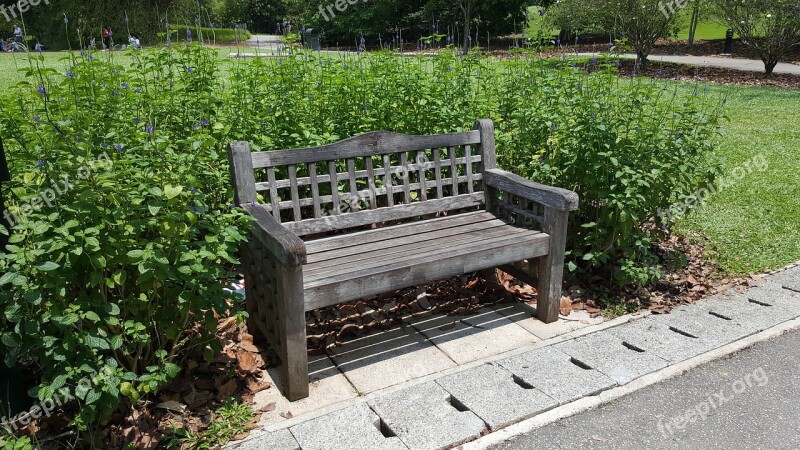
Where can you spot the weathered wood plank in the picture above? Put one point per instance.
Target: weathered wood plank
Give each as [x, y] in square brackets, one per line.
[292, 326]
[282, 243]
[437, 162]
[391, 244]
[373, 201]
[375, 143]
[468, 159]
[241, 169]
[453, 170]
[398, 212]
[551, 267]
[312, 173]
[351, 172]
[406, 177]
[423, 178]
[552, 197]
[334, 179]
[295, 194]
[405, 229]
[388, 182]
[273, 194]
[377, 280]
[410, 249]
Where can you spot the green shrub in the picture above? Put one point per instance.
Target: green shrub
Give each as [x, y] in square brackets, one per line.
[125, 227]
[119, 276]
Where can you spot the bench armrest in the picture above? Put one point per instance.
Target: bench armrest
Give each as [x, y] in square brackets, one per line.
[289, 249]
[553, 197]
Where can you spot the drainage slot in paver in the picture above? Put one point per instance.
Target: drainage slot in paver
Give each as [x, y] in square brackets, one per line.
[756, 302]
[522, 383]
[385, 430]
[580, 364]
[719, 316]
[683, 333]
[633, 347]
[455, 403]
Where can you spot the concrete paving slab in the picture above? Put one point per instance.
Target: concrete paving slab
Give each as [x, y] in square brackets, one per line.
[609, 355]
[470, 338]
[524, 316]
[491, 392]
[327, 386]
[789, 278]
[773, 293]
[424, 417]
[697, 321]
[657, 337]
[279, 440]
[750, 315]
[388, 358]
[554, 373]
[356, 427]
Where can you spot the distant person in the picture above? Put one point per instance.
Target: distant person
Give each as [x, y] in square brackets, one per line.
[39, 47]
[106, 38]
[134, 42]
[18, 37]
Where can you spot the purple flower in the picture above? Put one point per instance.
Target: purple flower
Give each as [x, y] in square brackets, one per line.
[660, 72]
[40, 163]
[66, 20]
[125, 85]
[166, 25]
[204, 122]
[126, 20]
[541, 12]
[617, 64]
[558, 41]
[70, 74]
[188, 34]
[554, 126]
[169, 42]
[36, 118]
[42, 90]
[724, 101]
[150, 129]
[633, 74]
[594, 116]
[138, 90]
[191, 70]
[193, 189]
[118, 147]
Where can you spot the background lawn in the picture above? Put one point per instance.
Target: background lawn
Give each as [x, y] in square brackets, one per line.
[753, 225]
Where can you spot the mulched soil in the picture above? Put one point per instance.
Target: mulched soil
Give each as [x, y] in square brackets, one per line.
[687, 73]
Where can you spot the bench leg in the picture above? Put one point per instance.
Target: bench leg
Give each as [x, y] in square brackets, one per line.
[551, 267]
[292, 325]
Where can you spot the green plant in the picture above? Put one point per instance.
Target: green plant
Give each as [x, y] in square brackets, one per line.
[121, 225]
[10, 442]
[229, 420]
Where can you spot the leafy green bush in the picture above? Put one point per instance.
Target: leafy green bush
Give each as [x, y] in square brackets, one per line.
[122, 226]
[118, 276]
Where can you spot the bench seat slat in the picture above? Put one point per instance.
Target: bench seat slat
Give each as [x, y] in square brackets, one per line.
[405, 229]
[431, 236]
[428, 265]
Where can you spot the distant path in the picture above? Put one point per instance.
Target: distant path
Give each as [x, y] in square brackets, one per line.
[265, 42]
[747, 65]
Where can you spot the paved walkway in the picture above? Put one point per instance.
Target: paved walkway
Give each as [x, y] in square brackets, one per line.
[451, 406]
[748, 65]
[750, 401]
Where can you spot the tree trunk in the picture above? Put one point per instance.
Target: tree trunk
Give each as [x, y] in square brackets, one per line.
[467, 18]
[769, 67]
[695, 22]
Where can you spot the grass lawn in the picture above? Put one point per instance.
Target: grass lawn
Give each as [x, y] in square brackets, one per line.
[753, 225]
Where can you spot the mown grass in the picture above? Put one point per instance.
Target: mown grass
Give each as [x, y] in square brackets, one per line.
[752, 225]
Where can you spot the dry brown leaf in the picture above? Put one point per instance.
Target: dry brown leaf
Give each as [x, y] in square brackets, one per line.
[227, 389]
[287, 415]
[247, 362]
[255, 386]
[566, 306]
[269, 407]
[172, 405]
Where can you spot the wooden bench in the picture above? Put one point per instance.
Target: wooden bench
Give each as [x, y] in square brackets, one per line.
[381, 212]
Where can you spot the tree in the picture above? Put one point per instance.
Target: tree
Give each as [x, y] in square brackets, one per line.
[643, 22]
[778, 21]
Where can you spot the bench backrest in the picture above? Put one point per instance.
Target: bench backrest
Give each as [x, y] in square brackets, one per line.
[368, 179]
